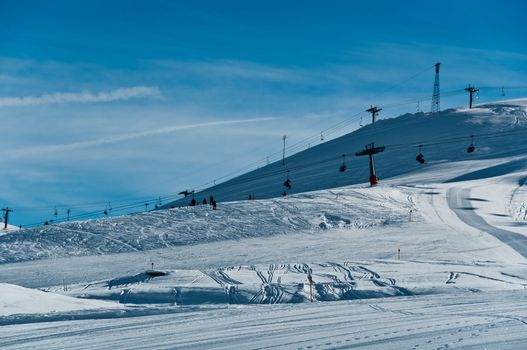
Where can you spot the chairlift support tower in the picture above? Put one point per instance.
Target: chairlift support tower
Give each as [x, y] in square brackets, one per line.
[369, 150]
[374, 110]
[6, 211]
[471, 90]
[435, 96]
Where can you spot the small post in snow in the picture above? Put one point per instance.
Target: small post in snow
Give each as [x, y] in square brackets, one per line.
[310, 279]
[410, 216]
[398, 253]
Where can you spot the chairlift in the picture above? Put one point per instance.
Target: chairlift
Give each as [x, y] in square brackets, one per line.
[287, 182]
[105, 210]
[472, 147]
[343, 166]
[420, 157]
[186, 193]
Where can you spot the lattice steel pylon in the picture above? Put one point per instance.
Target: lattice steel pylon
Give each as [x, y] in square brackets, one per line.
[435, 96]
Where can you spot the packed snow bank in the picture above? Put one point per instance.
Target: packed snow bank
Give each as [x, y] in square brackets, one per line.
[9, 228]
[20, 300]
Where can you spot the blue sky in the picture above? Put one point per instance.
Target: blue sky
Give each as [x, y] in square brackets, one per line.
[102, 101]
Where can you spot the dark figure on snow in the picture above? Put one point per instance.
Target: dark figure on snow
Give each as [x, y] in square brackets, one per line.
[287, 183]
[204, 201]
[193, 202]
[213, 205]
[211, 199]
[284, 194]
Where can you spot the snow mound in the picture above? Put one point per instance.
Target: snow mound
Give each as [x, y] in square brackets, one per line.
[307, 213]
[290, 283]
[20, 300]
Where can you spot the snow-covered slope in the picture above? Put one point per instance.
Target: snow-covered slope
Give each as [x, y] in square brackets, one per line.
[499, 130]
[309, 212]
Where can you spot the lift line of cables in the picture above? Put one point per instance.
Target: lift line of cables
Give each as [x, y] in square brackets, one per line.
[334, 159]
[301, 144]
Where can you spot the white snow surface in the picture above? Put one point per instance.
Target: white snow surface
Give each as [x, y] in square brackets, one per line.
[9, 228]
[432, 258]
[18, 300]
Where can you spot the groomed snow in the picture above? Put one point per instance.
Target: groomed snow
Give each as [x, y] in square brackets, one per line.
[19, 300]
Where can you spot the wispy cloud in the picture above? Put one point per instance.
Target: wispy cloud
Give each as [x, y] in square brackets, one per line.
[234, 69]
[82, 97]
[45, 149]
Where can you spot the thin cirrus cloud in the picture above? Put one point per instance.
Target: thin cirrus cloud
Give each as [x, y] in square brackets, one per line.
[46, 149]
[83, 96]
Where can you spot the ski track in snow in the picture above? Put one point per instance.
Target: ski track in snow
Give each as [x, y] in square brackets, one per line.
[459, 201]
[430, 322]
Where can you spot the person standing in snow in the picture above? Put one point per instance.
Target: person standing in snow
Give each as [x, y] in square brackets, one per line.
[193, 202]
[213, 205]
[204, 201]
